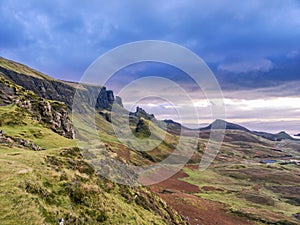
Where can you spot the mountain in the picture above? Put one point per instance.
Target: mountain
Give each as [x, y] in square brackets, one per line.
[45, 176]
[175, 128]
[220, 124]
[139, 113]
[274, 137]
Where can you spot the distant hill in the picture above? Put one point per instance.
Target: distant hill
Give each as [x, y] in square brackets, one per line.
[218, 124]
[274, 137]
[232, 126]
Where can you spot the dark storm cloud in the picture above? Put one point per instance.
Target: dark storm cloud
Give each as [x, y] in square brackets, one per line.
[63, 37]
[251, 46]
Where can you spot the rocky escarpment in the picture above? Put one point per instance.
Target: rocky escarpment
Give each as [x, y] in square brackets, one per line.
[141, 113]
[52, 114]
[52, 89]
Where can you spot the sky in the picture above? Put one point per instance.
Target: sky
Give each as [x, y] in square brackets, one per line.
[252, 47]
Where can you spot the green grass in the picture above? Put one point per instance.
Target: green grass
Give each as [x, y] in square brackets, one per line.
[16, 122]
[164, 142]
[40, 187]
[22, 69]
[234, 191]
[17, 207]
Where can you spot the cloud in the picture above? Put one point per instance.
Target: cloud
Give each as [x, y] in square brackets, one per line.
[252, 47]
[256, 65]
[292, 54]
[284, 89]
[252, 108]
[64, 37]
[257, 114]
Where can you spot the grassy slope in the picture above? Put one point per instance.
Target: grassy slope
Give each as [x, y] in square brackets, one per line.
[247, 194]
[40, 187]
[22, 69]
[56, 176]
[17, 122]
[107, 135]
[238, 190]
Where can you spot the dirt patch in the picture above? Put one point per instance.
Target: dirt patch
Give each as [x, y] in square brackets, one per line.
[178, 195]
[173, 183]
[23, 171]
[200, 211]
[285, 190]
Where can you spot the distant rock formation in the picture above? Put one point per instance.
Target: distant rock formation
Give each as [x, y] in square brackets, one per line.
[142, 128]
[141, 113]
[55, 113]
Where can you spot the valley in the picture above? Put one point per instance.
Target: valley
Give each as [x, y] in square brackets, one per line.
[50, 170]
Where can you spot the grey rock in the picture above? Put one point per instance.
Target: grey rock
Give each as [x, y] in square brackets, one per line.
[62, 91]
[53, 114]
[19, 142]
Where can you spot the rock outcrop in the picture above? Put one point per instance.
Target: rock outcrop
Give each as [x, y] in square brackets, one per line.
[17, 141]
[52, 114]
[141, 113]
[52, 89]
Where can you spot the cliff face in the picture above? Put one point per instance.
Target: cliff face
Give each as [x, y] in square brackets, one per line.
[49, 88]
[48, 99]
[52, 114]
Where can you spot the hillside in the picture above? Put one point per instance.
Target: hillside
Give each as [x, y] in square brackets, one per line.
[231, 126]
[44, 176]
[52, 89]
[253, 180]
